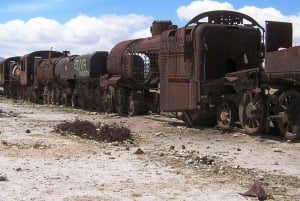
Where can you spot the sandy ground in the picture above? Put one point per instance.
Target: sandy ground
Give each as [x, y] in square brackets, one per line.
[179, 163]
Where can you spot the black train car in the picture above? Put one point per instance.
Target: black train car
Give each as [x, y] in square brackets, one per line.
[10, 76]
[75, 80]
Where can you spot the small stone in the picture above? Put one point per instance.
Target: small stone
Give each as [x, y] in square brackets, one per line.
[127, 148]
[161, 153]
[190, 161]
[18, 169]
[261, 178]
[172, 147]
[139, 151]
[277, 150]
[158, 134]
[239, 149]
[115, 143]
[276, 163]
[183, 146]
[3, 178]
[28, 131]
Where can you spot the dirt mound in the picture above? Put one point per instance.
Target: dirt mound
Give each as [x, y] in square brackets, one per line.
[100, 132]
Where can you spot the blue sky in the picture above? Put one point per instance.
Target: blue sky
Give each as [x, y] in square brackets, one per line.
[88, 25]
[64, 10]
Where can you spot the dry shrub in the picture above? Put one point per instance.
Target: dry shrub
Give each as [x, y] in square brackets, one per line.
[88, 130]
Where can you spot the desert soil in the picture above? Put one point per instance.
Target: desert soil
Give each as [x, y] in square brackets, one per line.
[178, 163]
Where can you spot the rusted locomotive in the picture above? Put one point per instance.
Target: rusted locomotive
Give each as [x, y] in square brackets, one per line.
[32, 81]
[73, 79]
[211, 71]
[196, 60]
[133, 74]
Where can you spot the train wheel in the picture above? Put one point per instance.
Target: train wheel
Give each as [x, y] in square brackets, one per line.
[121, 100]
[33, 97]
[97, 96]
[133, 108]
[253, 112]
[74, 100]
[226, 114]
[109, 99]
[289, 111]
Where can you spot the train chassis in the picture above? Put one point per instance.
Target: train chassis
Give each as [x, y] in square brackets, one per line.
[258, 110]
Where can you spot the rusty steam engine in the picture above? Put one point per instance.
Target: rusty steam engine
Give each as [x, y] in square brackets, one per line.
[221, 68]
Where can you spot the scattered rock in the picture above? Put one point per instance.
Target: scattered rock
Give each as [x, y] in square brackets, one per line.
[256, 190]
[239, 149]
[190, 161]
[139, 151]
[28, 131]
[205, 160]
[18, 169]
[275, 163]
[277, 150]
[161, 153]
[3, 178]
[158, 134]
[183, 146]
[172, 147]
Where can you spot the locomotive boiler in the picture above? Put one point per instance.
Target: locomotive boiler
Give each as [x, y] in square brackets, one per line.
[133, 81]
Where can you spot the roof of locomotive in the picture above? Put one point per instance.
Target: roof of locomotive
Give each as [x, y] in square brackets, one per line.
[15, 58]
[225, 17]
[42, 54]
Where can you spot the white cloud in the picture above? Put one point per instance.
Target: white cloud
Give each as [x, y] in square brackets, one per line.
[197, 7]
[84, 34]
[259, 14]
[80, 35]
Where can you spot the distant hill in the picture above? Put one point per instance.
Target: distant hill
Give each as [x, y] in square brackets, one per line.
[1, 58]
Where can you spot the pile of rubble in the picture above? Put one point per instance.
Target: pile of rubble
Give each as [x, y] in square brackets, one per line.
[100, 132]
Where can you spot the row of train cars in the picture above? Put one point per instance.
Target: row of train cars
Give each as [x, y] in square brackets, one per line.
[221, 68]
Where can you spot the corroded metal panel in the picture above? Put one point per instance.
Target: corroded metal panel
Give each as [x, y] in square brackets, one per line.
[181, 96]
[278, 35]
[283, 61]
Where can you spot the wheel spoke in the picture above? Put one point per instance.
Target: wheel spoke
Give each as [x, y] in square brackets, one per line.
[252, 112]
[290, 114]
[226, 114]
